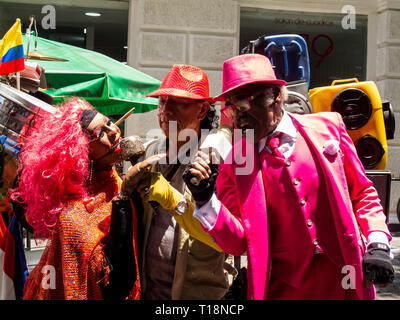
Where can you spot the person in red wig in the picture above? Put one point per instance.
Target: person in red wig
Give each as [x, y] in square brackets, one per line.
[71, 194]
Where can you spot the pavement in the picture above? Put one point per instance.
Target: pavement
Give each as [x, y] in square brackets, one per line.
[392, 291]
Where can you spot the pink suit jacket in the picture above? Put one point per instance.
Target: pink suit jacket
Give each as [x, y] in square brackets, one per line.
[242, 224]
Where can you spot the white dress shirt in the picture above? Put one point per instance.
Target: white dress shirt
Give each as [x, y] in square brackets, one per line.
[288, 139]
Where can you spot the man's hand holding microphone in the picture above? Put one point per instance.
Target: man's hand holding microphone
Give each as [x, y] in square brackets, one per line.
[201, 176]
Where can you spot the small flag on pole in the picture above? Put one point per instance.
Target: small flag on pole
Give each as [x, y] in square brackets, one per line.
[12, 50]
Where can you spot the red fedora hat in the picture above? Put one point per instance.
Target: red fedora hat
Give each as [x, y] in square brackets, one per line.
[246, 69]
[184, 81]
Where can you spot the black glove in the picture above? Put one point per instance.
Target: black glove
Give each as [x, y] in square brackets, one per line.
[377, 264]
[205, 189]
[120, 253]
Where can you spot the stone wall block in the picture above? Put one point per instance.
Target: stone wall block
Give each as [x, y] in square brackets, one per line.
[210, 51]
[193, 14]
[140, 123]
[394, 196]
[393, 160]
[387, 61]
[382, 26]
[396, 140]
[381, 61]
[389, 90]
[162, 48]
[158, 73]
[394, 25]
[215, 81]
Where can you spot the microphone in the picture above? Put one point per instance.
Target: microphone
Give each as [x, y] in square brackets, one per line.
[132, 149]
[221, 141]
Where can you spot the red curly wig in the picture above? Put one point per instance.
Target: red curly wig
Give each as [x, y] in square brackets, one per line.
[55, 166]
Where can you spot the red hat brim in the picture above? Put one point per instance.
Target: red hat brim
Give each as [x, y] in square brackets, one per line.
[179, 94]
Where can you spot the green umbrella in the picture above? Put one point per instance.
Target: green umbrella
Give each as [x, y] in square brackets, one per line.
[109, 85]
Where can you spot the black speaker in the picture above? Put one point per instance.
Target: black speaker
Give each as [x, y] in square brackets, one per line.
[388, 116]
[355, 107]
[370, 151]
[382, 181]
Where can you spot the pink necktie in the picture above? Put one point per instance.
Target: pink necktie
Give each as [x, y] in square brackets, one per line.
[273, 144]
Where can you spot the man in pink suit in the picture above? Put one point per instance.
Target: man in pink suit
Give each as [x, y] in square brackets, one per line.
[305, 213]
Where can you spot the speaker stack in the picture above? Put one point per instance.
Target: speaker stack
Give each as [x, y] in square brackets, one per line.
[369, 122]
[362, 111]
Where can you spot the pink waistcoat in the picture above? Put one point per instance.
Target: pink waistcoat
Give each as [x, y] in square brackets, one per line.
[300, 218]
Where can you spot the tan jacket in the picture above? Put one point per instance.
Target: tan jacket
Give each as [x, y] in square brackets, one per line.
[201, 272]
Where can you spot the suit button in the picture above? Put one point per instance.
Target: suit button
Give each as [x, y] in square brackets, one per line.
[315, 242]
[288, 162]
[302, 202]
[309, 223]
[296, 181]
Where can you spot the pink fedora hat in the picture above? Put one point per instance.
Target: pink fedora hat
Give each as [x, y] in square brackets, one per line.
[245, 69]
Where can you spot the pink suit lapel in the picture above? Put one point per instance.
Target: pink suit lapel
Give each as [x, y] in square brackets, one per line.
[254, 216]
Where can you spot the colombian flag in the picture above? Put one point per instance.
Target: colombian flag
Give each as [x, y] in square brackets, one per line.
[12, 50]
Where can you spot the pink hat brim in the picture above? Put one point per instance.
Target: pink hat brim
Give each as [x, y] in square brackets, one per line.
[221, 96]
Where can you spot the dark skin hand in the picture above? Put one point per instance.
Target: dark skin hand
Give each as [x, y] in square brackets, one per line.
[200, 169]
